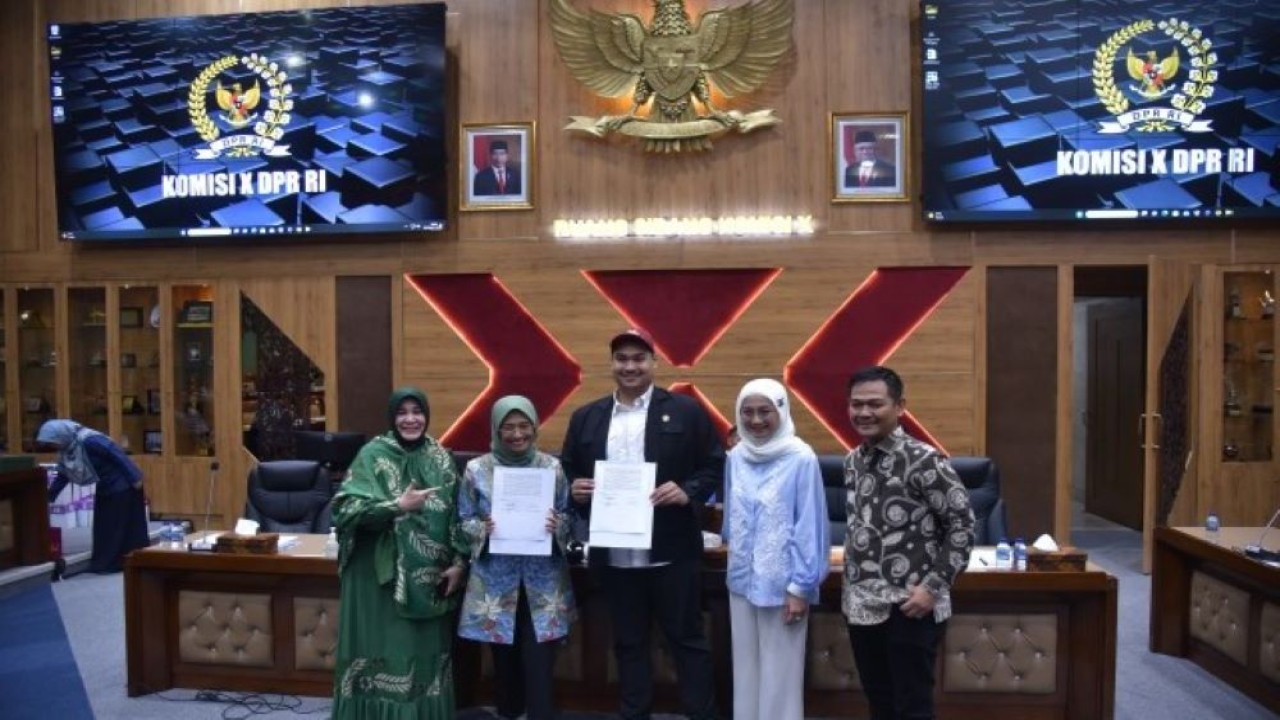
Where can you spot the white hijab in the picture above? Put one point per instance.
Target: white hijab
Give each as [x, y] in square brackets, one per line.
[784, 440]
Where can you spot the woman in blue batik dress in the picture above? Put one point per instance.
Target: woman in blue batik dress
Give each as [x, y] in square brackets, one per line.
[521, 605]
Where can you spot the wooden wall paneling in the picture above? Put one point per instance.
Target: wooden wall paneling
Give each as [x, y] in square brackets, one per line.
[497, 82]
[868, 63]
[1022, 405]
[434, 358]
[764, 172]
[1064, 431]
[303, 308]
[980, 358]
[1208, 343]
[1058, 244]
[937, 363]
[1171, 286]
[19, 191]
[226, 391]
[365, 336]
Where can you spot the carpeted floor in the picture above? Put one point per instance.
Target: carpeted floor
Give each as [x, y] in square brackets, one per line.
[73, 666]
[39, 678]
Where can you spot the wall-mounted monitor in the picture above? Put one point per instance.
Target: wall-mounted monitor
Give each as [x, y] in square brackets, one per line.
[250, 126]
[1100, 110]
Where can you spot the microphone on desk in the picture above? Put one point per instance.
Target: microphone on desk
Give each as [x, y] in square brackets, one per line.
[204, 544]
[1257, 551]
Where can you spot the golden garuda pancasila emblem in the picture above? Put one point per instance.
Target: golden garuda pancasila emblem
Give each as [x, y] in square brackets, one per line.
[670, 64]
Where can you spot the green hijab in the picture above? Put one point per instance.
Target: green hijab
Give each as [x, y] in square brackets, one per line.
[501, 409]
[398, 396]
[411, 553]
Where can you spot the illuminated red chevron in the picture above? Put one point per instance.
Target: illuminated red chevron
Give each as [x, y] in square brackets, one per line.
[717, 420]
[866, 330]
[686, 311]
[522, 357]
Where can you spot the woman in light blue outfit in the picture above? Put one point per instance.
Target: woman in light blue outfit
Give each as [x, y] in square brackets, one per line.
[776, 527]
[522, 605]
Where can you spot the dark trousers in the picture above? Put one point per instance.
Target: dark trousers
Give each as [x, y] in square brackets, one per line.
[671, 594]
[896, 661]
[523, 671]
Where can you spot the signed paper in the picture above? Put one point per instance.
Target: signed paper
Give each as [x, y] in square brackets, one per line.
[522, 497]
[621, 512]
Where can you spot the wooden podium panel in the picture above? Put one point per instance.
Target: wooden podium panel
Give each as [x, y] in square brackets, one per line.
[1185, 554]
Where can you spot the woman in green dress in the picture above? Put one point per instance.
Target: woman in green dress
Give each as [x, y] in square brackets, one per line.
[401, 561]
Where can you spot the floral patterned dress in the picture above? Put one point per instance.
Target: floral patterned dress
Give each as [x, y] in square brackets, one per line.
[493, 588]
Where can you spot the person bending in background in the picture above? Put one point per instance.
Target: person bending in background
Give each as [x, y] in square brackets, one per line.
[521, 605]
[909, 535]
[779, 545]
[402, 557]
[87, 457]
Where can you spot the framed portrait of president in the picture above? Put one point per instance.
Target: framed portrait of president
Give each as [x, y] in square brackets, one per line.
[869, 157]
[497, 166]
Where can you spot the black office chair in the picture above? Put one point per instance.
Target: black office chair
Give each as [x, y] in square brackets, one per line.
[289, 496]
[980, 476]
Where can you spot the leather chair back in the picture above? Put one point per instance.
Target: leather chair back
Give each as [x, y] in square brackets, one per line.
[289, 496]
[979, 475]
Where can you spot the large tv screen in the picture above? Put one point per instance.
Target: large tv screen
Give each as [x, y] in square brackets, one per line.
[1100, 110]
[226, 127]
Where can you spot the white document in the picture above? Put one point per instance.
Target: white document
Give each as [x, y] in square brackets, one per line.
[521, 499]
[621, 512]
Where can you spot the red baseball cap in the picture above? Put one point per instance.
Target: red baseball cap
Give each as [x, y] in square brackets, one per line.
[632, 334]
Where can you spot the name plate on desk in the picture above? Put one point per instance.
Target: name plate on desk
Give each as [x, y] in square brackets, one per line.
[261, 544]
[1067, 559]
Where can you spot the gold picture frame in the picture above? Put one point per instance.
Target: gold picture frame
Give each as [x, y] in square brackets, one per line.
[870, 157]
[480, 185]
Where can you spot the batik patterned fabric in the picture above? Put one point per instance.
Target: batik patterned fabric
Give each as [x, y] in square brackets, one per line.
[493, 589]
[909, 523]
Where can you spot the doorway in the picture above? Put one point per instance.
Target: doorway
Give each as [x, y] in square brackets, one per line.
[1109, 386]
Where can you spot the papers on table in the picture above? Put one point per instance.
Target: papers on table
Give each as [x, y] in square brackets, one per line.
[522, 497]
[621, 512]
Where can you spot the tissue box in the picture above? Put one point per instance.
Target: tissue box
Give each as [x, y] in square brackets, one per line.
[1067, 559]
[261, 544]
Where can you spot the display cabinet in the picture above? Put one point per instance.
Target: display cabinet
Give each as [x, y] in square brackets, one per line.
[1248, 360]
[38, 361]
[139, 363]
[193, 364]
[87, 356]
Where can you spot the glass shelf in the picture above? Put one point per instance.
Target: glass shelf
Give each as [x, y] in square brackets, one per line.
[192, 401]
[1248, 355]
[87, 355]
[140, 400]
[37, 361]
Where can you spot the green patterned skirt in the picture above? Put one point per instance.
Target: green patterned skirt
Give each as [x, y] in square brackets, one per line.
[388, 667]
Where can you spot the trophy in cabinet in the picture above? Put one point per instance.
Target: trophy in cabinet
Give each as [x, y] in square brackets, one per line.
[1231, 402]
[1268, 303]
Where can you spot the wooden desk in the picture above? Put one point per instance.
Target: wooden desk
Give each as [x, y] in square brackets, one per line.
[157, 579]
[24, 507]
[1081, 608]
[1213, 605]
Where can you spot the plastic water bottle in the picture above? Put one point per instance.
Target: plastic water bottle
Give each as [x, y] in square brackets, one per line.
[331, 545]
[176, 536]
[1211, 527]
[1020, 555]
[1004, 555]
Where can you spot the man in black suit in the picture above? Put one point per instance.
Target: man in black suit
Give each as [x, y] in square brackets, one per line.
[867, 170]
[498, 178]
[643, 423]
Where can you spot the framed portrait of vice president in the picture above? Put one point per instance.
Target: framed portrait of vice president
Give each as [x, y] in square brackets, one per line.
[869, 157]
[497, 166]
